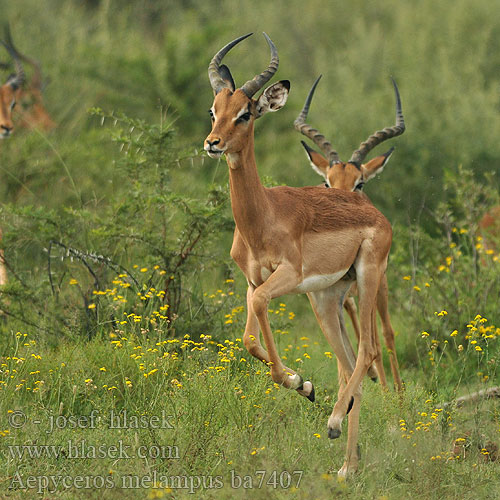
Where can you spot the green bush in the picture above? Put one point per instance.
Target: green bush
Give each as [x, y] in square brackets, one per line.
[148, 239]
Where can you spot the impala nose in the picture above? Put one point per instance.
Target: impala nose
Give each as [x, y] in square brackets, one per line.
[212, 143]
[5, 130]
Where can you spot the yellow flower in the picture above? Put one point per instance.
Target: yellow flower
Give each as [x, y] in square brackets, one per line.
[416, 288]
[91, 306]
[407, 278]
[316, 435]
[454, 333]
[72, 281]
[103, 368]
[425, 334]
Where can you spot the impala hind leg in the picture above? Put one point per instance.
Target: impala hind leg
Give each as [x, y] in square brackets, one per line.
[368, 274]
[283, 280]
[327, 306]
[352, 311]
[378, 362]
[352, 455]
[387, 330]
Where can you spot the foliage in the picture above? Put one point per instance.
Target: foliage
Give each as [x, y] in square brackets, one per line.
[452, 286]
[168, 231]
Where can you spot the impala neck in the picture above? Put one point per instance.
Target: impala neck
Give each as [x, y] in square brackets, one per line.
[248, 197]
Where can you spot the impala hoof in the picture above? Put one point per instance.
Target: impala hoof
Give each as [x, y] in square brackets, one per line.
[307, 390]
[334, 433]
[312, 396]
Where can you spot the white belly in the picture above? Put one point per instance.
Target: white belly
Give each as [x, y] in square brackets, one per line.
[319, 282]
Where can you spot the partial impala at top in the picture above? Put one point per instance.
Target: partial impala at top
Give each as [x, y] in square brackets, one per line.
[10, 92]
[31, 111]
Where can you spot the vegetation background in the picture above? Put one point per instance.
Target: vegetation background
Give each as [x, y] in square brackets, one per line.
[117, 232]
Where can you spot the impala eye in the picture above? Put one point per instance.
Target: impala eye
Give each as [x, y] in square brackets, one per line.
[244, 117]
[211, 113]
[13, 105]
[359, 186]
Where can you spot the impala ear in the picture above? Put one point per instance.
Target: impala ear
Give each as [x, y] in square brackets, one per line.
[273, 98]
[318, 162]
[375, 165]
[227, 77]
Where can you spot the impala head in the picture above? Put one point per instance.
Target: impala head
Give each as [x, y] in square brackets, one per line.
[9, 91]
[235, 110]
[351, 175]
[31, 109]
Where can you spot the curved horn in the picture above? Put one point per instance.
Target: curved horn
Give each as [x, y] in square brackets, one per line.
[382, 135]
[37, 79]
[20, 77]
[214, 74]
[313, 134]
[254, 85]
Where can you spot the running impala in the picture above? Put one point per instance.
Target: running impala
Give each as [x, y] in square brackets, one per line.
[297, 240]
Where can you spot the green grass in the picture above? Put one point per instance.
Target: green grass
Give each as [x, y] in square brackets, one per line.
[225, 414]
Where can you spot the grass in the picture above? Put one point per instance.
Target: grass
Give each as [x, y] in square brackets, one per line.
[223, 418]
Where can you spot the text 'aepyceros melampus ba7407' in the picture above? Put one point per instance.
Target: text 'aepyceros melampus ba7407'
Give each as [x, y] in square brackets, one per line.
[297, 240]
[352, 176]
[31, 111]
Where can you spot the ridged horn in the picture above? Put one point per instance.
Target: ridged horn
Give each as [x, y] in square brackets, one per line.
[20, 76]
[382, 135]
[36, 81]
[214, 73]
[256, 83]
[312, 133]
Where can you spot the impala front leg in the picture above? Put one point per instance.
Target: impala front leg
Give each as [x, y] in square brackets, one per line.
[282, 281]
[251, 337]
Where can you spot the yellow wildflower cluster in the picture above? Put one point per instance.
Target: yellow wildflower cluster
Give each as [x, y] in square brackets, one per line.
[424, 422]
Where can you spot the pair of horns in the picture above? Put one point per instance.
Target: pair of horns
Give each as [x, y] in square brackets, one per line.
[19, 78]
[220, 77]
[365, 147]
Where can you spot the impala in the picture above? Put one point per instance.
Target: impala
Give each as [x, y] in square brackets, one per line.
[32, 111]
[10, 92]
[352, 176]
[297, 240]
